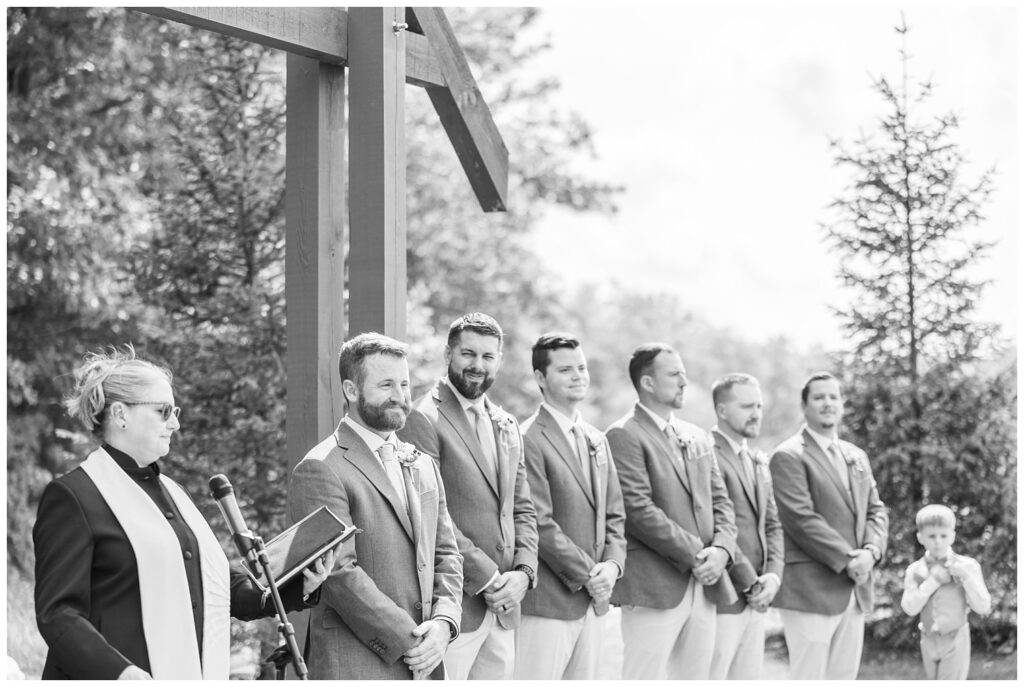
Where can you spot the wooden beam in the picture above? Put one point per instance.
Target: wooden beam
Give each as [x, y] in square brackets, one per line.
[421, 67]
[377, 277]
[464, 114]
[315, 250]
[317, 32]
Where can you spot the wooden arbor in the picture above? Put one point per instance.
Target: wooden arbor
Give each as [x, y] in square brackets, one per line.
[382, 49]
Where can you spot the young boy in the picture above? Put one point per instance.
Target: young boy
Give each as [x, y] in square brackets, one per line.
[941, 587]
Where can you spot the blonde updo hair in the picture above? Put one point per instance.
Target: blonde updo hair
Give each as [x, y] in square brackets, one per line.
[104, 378]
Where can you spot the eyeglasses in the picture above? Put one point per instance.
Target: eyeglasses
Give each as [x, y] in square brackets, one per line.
[165, 409]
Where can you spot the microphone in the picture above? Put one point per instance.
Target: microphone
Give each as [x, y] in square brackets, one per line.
[224, 495]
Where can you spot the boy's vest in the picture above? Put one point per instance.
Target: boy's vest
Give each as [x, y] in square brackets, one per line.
[946, 610]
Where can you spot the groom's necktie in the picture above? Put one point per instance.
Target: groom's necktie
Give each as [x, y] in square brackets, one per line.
[394, 472]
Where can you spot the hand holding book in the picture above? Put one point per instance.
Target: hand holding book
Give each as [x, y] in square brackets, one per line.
[314, 541]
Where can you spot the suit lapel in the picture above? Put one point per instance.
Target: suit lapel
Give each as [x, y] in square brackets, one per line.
[359, 454]
[644, 419]
[553, 433]
[860, 497]
[451, 409]
[825, 465]
[501, 449]
[736, 463]
[599, 480]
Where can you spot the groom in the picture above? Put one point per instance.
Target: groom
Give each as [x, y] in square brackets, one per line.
[391, 606]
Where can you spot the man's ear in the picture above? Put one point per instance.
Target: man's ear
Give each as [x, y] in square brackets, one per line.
[541, 382]
[351, 391]
[647, 383]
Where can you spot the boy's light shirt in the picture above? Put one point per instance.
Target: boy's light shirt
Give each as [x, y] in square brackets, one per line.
[916, 596]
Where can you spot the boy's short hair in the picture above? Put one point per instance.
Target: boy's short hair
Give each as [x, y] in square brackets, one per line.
[935, 515]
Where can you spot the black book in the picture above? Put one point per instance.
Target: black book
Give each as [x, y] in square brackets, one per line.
[300, 545]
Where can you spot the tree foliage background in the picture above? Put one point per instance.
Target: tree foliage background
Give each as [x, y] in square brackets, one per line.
[931, 391]
[145, 204]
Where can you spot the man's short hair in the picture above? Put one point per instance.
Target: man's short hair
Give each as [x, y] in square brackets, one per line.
[935, 515]
[642, 360]
[477, 322]
[550, 342]
[722, 387]
[816, 377]
[354, 351]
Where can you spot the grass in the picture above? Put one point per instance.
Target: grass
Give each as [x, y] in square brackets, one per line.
[27, 648]
[885, 664]
[880, 663]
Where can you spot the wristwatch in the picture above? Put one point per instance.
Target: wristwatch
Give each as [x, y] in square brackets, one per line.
[523, 568]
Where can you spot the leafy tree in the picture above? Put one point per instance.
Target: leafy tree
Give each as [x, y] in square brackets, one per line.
[80, 141]
[460, 259]
[938, 425]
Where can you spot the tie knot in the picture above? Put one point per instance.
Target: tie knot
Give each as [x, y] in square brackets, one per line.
[577, 429]
[387, 452]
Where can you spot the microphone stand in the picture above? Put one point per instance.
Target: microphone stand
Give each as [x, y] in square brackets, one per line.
[252, 542]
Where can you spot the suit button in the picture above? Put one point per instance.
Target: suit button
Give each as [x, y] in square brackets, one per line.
[500, 547]
[418, 606]
[188, 555]
[421, 566]
[169, 515]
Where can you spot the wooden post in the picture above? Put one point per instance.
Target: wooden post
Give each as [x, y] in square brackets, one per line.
[376, 266]
[315, 250]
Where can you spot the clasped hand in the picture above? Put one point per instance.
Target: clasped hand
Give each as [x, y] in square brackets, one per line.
[763, 592]
[423, 658]
[507, 591]
[860, 565]
[713, 560]
[602, 580]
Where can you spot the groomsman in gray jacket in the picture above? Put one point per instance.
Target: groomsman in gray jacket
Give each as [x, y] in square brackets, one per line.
[580, 520]
[479, 449]
[680, 532]
[835, 529]
[756, 572]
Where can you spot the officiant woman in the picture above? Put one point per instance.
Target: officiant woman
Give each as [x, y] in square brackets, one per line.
[131, 582]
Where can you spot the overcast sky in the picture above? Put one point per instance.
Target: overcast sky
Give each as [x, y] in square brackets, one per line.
[717, 121]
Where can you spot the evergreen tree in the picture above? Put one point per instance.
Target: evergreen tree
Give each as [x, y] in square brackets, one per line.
[937, 421]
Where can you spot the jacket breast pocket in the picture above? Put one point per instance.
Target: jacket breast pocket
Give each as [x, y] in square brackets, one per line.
[331, 618]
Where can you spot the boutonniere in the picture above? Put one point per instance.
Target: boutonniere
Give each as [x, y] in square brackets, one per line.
[506, 426]
[761, 459]
[408, 455]
[688, 444]
[856, 462]
[595, 445]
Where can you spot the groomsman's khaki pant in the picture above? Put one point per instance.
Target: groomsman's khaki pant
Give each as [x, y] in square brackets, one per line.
[554, 649]
[739, 646]
[486, 653]
[673, 644]
[824, 647]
